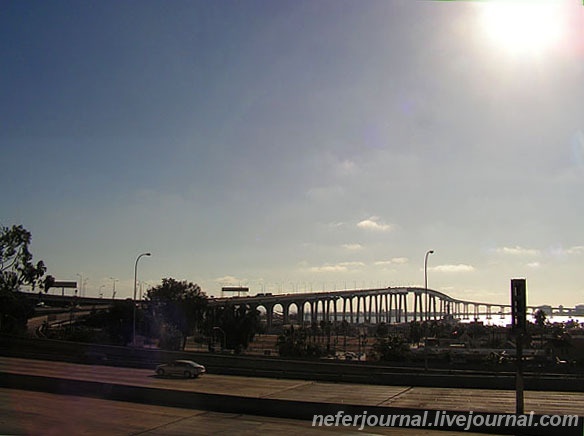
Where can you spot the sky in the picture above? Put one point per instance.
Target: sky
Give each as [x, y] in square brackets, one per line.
[293, 146]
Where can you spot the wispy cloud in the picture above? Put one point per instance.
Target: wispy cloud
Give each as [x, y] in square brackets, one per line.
[228, 280]
[460, 268]
[517, 251]
[579, 249]
[339, 267]
[533, 265]
[393, 261]
[373, 223]
[335, 225]
[353, 247]
[572, 251]
[346, 167]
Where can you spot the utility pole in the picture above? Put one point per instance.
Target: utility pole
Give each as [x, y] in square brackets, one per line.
[519, 328]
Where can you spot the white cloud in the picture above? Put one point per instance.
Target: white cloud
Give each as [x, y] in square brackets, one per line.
[228, 280]
[339, 267]
[534, 265]
[579, 249]
[347, 167]
[393, 261]
[352, 264]
[460, 268]
[353, 247]
[328, 268]
[373, 223]
[517, 251]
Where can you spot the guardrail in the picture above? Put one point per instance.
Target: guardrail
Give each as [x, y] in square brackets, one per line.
[333, 371]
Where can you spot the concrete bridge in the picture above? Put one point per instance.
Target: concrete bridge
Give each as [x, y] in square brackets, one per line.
[392, 305]
[368, 306]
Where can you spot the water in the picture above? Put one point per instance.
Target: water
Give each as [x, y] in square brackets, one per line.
[506, 319]
[496, 319]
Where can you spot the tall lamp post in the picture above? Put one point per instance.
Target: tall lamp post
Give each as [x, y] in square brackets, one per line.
[426, 268]
[135, 280]
[114, 287]
[426, 278]
[80, 287]
[429, 252]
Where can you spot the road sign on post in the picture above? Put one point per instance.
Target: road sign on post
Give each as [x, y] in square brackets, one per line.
[519, 326]
[518, 306]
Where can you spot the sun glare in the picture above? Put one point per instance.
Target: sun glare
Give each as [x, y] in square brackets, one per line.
[523, 26]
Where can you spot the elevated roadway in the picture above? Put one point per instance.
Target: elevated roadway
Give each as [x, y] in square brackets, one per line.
[297, 399]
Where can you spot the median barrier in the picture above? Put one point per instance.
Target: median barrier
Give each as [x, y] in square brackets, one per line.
[357, 372]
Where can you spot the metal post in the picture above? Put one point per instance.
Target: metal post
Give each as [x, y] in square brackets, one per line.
[134, 301]
[519, 327]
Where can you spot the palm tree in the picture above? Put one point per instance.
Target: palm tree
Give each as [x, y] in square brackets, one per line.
[540, 320]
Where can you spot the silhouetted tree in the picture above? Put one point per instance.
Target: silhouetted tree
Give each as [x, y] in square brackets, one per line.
[235, 326]
[16, 270]
[16, 266]
[181, 305]
[294, 342]
[392, 348]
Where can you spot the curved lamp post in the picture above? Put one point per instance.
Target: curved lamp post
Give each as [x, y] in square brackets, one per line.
[114, 280]
[135, 279]
[426, 268]
[426, 308]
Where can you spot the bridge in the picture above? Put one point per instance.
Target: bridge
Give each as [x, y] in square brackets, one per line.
[370, 306]
[391, 305]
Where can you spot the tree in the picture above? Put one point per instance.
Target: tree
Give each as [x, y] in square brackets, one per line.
[540, 318]
[181, 305]
[236, 326]
[16, 270]
[293, 342]
[391, 348]
[16, 267]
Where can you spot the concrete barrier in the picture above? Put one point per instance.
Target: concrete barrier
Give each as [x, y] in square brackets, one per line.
[331, 371]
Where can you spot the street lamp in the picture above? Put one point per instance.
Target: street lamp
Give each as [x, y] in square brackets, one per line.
[135, 279]
[80, 283]
[426, 308]
[114, 287]
[426, 268]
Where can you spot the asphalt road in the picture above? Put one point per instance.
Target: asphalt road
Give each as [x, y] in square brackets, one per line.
[36, 413]
[478, 400]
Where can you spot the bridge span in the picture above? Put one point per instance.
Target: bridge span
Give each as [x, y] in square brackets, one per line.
[389, 305]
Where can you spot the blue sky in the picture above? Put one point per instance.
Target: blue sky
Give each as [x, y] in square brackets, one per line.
[298, 145]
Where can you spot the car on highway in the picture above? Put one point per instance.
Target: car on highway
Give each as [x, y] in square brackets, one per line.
[181, 368]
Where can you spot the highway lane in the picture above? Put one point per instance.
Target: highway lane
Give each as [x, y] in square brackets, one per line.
[34, 413]
[335, 393]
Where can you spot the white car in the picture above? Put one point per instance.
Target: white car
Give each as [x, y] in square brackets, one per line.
[181, 368]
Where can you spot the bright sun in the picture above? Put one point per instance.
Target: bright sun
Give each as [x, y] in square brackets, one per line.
[523, 26]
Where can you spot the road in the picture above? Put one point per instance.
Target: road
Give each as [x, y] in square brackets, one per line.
[25, 412]
[477, 400]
